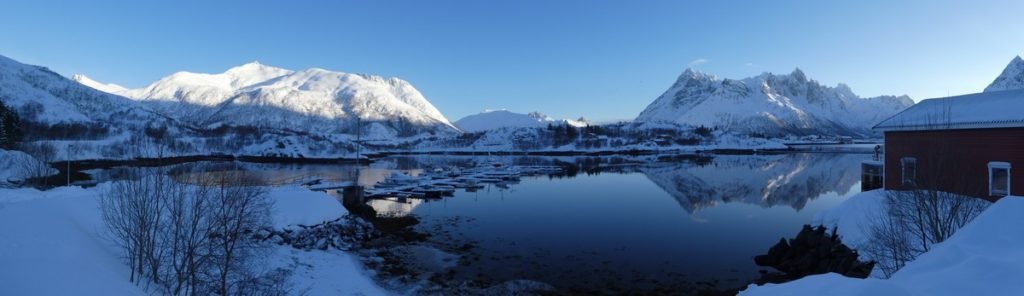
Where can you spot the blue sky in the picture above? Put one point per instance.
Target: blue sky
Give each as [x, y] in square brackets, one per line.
[599, 59]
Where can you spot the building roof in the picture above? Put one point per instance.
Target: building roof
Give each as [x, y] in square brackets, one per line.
[996, 109]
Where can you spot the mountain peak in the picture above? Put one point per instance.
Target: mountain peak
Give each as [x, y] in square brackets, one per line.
[254, 66]
[253, 72]
[693, 74]
[539, 116]
[104, 87]
[1011, 78]
[799, 75]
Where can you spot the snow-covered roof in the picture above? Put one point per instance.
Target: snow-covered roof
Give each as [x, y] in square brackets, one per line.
[994, 109]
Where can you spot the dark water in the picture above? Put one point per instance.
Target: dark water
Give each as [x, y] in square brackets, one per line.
[673, 226]
[613, 224]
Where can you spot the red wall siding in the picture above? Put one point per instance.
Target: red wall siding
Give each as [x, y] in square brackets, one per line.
[969, 150]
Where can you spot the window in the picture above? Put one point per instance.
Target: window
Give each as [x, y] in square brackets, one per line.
[998, 178]
[908, 167]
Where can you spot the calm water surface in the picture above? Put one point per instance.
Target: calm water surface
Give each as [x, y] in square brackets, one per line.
[613, 223]
[661, 226]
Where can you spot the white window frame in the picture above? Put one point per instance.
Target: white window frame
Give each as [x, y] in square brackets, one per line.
[992, 165]
[912, 180]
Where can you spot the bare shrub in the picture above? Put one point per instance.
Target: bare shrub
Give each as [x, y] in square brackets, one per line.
[914, 221]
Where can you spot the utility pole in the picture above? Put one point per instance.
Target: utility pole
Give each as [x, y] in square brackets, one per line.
[359, 158]
[359, 141]
[68, 172]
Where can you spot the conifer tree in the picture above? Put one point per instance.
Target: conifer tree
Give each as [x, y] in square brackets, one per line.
[10, 127]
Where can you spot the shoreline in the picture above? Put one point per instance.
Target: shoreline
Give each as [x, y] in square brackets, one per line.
[77, 167]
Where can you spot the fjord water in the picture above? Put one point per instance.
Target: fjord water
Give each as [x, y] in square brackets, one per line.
[611, 223]
[670, 226]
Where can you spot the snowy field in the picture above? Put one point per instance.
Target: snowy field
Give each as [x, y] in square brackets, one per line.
[986, 257]
[52, 243]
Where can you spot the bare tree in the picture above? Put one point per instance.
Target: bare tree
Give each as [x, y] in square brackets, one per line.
[239, 208]
[132, 211]
[186, 232]
[192, 234]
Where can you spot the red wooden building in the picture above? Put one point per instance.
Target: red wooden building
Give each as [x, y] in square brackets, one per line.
[971, 144]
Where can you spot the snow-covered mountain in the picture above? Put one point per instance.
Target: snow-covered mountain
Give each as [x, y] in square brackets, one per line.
[1011, 78]
[63, 119]
[496, 119]
[769, 104]
[312, 100]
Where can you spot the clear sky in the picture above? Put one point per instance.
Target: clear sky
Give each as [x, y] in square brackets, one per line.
[599, 59]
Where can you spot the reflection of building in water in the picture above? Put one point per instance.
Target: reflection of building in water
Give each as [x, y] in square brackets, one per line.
[764, 180]
[394, 206]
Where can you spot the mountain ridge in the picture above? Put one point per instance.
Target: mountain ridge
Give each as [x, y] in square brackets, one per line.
[311, 100]
[497, 119]
[769, 104]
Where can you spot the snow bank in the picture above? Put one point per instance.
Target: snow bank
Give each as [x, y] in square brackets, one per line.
[50, 245]
[853, 217]
[985, 257]
[295, 205]
[13, 165]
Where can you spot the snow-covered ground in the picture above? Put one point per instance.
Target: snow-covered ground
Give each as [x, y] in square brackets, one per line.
[985, 257]
[52, 246]
[853, 217]
[294, 205]
[51, 243]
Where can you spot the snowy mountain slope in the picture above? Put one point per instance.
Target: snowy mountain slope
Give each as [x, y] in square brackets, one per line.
[44, 98]
[40, 95]
[104, 87]
[770, 104]
[1011, 78]
[496, 119]
[65, 119]
[311, 100]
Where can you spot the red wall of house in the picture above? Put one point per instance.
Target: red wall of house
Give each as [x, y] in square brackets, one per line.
[968, 152]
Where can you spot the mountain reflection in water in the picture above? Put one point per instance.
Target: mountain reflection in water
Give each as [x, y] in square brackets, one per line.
[695, 183]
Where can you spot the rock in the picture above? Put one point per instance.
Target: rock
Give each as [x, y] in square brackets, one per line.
[812, 251]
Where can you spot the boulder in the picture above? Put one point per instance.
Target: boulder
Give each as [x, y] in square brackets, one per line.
[812, 251]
